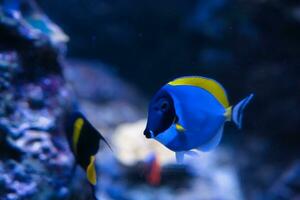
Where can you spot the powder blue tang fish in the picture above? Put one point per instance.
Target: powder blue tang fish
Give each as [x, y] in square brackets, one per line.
[189, 113]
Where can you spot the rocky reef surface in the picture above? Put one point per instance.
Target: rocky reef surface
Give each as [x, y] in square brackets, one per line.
[35, 162]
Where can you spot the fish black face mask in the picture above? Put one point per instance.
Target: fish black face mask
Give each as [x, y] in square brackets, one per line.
[161, 114]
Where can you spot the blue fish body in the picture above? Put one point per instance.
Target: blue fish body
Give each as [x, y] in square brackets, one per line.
[199, 113]
[190, 113]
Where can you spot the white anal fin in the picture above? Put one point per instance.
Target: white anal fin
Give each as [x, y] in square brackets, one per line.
[179, 157]
[212, 143]
[191, 153]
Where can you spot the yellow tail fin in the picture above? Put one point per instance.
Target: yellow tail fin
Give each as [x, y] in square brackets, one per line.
[228, 113]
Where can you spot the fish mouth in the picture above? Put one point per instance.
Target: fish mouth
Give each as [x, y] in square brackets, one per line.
[149, 134]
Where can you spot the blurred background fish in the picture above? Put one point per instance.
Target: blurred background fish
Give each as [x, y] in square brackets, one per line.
[84, 142]
[153, 170]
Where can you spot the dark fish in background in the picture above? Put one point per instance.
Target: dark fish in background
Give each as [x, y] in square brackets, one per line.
[84, 142]
[189, 113]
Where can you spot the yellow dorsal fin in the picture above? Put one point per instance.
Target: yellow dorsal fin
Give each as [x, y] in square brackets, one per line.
[91, 171]
[180, 128]
[207, 84]
[76, 134]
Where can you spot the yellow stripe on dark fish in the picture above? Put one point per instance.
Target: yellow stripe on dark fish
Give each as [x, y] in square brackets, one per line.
[91, 171]
[209, 85]
[84, 140]
[77, 131]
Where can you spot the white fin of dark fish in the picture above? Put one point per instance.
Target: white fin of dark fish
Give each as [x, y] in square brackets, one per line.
[211, 144]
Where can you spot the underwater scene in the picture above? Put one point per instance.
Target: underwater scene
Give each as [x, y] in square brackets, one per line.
[149, 100]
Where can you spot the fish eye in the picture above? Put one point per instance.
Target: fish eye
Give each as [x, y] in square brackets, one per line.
[164, 105]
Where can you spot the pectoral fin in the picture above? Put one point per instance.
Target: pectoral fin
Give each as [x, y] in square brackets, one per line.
[91, 171]
[180, 128]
